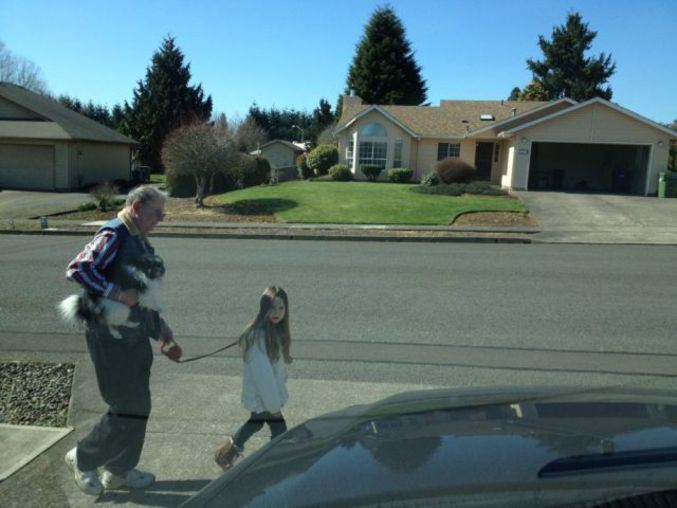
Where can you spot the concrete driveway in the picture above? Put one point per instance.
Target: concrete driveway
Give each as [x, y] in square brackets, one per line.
[29, 204]
[602, 218]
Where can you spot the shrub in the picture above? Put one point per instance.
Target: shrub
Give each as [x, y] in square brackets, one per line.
[452, 189]
[254, 170]
[180, 186]
[400, 175]
[321, 158]
[304, 171]
[340, 173]
[371, 171]
[484, 188]
[86, 207]
[458, 189]
[455, 171]
[430, 179]
[104, 194]
[224, 182]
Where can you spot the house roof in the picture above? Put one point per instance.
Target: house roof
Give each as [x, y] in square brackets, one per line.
[595, 100]
[77, 126]
[288, 144]
[451, 119]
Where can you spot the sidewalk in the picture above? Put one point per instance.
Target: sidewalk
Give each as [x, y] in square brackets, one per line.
[260, 230]
[194, 406]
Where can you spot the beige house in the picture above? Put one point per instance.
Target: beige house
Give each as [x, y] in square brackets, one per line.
[46, 146]
[593, 145]
[280, 153]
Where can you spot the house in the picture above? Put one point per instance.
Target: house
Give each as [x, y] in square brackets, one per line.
[593, 145]
[46, 146]
[280, 153]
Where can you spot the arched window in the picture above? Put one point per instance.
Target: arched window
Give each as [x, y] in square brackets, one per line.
[373, 130]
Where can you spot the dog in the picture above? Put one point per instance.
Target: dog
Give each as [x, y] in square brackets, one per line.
[146, 277]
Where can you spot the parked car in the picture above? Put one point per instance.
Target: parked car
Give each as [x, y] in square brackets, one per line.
[468, 447]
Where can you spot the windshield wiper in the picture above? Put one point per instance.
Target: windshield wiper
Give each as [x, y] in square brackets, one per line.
[602, 461]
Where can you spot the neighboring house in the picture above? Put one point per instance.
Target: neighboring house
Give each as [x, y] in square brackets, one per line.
[593, 145]
[280, 153]
[46, 146]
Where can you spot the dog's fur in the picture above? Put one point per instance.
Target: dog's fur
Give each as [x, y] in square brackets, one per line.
[146, 278]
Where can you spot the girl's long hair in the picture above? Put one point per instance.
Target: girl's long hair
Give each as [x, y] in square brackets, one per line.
[277, 336]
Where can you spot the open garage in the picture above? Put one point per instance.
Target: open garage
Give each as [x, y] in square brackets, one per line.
[613, 168]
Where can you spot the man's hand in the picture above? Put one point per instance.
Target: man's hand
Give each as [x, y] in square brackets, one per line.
[130, 297]
[168, 346]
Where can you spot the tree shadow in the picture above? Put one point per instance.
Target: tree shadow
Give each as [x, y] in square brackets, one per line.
[262, 206]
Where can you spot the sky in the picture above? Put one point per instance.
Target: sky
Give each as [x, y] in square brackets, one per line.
[290, 54]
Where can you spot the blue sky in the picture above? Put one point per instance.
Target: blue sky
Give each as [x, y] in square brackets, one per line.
[292, 53]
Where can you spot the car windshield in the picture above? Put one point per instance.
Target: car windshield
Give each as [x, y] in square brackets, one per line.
[346, 254]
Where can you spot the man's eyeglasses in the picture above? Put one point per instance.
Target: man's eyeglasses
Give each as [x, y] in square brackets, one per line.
[158, 212]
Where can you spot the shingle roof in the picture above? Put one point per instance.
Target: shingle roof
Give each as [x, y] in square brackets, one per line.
[288, 144]
[447, 119]
[78, 126]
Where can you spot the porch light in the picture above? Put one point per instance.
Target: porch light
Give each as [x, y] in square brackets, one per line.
[660, 143]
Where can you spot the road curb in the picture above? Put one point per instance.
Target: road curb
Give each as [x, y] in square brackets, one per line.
[292, 236]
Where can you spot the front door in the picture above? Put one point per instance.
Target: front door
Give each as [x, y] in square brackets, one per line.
[483, 154]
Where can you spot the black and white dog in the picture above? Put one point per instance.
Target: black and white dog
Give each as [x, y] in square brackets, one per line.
[145, 277]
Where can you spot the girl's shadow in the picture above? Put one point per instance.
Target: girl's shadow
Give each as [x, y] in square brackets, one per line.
[167, 493]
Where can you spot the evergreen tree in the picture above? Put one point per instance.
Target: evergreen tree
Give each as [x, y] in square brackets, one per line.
[163, 102]
[565, 71]
[515, 94]
[383, 70]
[323, 117]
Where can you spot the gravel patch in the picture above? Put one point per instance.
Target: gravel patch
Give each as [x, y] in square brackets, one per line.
[33, 393]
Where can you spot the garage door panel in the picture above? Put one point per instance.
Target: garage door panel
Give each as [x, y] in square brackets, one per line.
[26, 166]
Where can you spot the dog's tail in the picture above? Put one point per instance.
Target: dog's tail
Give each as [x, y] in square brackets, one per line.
[74, 310]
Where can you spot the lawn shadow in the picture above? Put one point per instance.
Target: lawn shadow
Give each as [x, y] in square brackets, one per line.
[261, 206]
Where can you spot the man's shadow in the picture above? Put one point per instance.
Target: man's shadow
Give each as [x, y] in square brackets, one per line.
[169, 493]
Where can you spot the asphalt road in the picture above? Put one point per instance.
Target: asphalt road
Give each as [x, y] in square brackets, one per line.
[433, 314]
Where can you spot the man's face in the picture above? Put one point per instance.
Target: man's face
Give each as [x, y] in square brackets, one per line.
[148, 215]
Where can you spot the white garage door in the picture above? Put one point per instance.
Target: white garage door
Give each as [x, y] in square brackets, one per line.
[28, 167]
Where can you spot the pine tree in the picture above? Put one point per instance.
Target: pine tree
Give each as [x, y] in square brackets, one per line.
[323, 117]
[164, 101]
[565, 71]
[383, 70]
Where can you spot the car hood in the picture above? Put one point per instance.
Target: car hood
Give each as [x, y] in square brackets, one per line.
[465, 442]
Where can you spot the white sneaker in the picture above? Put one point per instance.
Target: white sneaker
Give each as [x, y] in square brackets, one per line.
[87, 481]
[133, 479]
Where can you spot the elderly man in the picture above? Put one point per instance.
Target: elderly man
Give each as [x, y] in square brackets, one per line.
[122, 365]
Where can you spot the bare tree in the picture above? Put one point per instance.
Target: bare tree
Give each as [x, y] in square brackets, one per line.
[248, 134]
[327, 136]
[200, 151]
[20, 71]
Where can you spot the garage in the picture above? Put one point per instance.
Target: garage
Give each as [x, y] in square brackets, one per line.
[589, 167]
[24, 166]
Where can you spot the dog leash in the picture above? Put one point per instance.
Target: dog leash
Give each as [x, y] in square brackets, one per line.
[200, 357]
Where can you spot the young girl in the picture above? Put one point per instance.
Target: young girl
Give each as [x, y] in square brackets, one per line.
[265, 350]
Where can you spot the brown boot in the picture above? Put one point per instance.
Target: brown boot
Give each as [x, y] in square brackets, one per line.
[227, 455]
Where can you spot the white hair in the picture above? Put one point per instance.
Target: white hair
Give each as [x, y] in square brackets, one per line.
[144, 194]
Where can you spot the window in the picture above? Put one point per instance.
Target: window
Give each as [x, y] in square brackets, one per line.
[397, 155]
[448, 150]
[349, 153]
[374, 130]
[373, 153]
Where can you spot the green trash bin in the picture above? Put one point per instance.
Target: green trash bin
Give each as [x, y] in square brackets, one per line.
[667, 184]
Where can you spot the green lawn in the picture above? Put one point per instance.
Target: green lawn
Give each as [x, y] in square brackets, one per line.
[362, 203]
